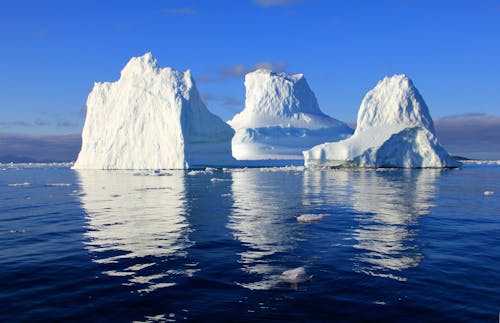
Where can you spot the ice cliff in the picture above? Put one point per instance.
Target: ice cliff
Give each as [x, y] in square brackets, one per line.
[281, 118]
[394, 129]
[151, 118]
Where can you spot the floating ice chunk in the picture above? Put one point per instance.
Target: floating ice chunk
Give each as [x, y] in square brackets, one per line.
[19, 184]
[58, 184]
[295, 276]
[213, 180]
[18, 231]
[196, 172]
[487, 193]
[308, 218]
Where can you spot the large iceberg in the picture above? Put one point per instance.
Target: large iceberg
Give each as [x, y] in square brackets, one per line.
[151, 118]
[394, 129]
[281, 118]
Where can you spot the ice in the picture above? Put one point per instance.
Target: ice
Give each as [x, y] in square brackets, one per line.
[394, 129]
[295, 276]
[308, 218]
[151, 118]
[58, 184]
[215, 180]
[281, 118]
[19, 184]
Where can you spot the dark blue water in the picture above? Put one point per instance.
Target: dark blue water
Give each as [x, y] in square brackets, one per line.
[396, 245]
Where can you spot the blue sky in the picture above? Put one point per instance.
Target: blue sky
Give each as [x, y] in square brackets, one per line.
[53, 52]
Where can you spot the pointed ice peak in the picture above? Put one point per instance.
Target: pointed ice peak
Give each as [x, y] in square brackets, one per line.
[140, 64]
[394, 102]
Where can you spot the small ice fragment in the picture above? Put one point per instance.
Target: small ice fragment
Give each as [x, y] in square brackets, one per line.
[196, 172]
[295, 276]
[18, 231]
[487, 193]
[213, 180]
[58, 184]
[307, 218]
[20, 184]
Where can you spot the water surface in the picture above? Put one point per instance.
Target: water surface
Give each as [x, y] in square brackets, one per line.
[412, 245]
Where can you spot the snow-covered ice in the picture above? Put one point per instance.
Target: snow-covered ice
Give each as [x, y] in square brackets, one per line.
[394, 129]
[281, 118]
[151, 118]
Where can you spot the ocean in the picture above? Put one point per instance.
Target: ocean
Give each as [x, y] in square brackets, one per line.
[212, 245]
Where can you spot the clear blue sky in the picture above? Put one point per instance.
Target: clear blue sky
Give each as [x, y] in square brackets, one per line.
[53, 51]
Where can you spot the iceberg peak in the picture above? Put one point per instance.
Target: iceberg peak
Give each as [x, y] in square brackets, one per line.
[140, 64]
[279, 99]
[394, 102]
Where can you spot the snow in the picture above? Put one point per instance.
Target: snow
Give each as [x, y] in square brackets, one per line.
[151, 118]
[394, 129]
[281, 118]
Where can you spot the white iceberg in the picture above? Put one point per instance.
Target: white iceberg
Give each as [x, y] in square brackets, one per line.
[394, 129]
[281, 118]
[151, 118]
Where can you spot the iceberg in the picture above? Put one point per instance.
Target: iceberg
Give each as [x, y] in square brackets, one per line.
[151, 118]
[394, 129]
[281, 118]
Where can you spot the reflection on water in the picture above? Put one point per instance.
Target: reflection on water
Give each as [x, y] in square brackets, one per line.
[387, 204]
[262, 221]
[387, 230]
[137, 225]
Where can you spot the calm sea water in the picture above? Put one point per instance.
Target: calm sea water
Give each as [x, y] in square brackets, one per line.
[397, 245]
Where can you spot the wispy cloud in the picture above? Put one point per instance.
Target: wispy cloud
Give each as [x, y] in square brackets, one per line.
[179, 11]
[271, 3]
[23, 124]
[227, 101]
[239, 70]
[62, 123]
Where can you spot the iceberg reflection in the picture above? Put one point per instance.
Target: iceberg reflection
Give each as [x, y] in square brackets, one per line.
[387, 204]
[137, 225]
[263, 222]
[392, 201]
